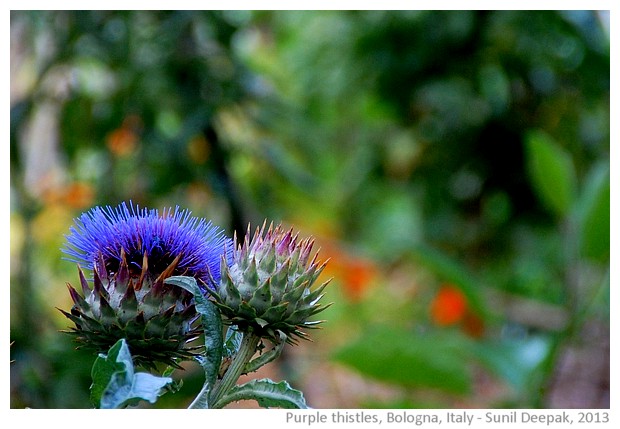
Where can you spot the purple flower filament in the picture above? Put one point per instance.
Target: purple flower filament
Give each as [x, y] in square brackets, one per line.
[108, 232]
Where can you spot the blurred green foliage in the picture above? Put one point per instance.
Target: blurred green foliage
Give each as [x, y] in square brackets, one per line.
[421, 148]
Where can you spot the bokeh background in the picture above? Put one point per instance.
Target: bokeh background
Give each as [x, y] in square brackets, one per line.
[453, 165]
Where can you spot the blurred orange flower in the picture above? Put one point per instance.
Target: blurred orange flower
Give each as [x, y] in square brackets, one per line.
[357, 276]
[123, 140]
[76, 195]
[79, 195]
[354, 273]
[449, 306]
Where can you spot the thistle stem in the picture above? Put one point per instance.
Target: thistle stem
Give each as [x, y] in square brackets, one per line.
[245, 353]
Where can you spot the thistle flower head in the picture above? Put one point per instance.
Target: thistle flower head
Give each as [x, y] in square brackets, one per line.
[131, 252]
[268, 286]
[109, 233]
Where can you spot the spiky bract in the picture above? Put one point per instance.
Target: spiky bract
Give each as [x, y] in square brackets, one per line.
[155, 319]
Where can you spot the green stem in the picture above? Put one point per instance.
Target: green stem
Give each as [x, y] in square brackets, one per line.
[245, 353]
[577, 307]
[571, 266]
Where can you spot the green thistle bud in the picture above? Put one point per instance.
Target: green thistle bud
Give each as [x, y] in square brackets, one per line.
[267, 288]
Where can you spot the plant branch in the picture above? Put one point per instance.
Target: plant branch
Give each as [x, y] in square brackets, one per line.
[237, 367]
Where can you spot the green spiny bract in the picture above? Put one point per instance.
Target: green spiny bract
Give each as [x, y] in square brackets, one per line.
[267, 288]
[154, 318]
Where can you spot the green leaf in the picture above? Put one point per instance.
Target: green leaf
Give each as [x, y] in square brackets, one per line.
[212, 324]
[103, 370]
[232, 342]
[267, 393]
[409, 359]
[116, 385]
[594, 214]
[551, 172]
[517, 362]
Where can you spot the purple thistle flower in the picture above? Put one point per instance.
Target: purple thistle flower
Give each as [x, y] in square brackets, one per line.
[107, 233]
[131, 251]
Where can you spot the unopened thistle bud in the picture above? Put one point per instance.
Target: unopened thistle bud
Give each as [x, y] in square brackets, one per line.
[131, 252]
[268, 286]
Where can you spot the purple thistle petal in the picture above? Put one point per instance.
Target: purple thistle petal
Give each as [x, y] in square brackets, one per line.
[106, 232]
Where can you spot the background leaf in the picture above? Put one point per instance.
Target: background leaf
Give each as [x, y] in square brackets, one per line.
[411, 360]
[594, 214]
[551, 172]
[516, 361]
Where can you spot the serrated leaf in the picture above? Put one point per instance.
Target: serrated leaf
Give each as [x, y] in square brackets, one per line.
[232, 342]
[115, 383]
[267, 393]
[409, 359]
[551, 172]
[212, 323]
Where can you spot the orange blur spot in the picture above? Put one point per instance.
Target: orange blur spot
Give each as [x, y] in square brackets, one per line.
[357, 276]
[79, 195]
[123, 141]
[449, 306]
